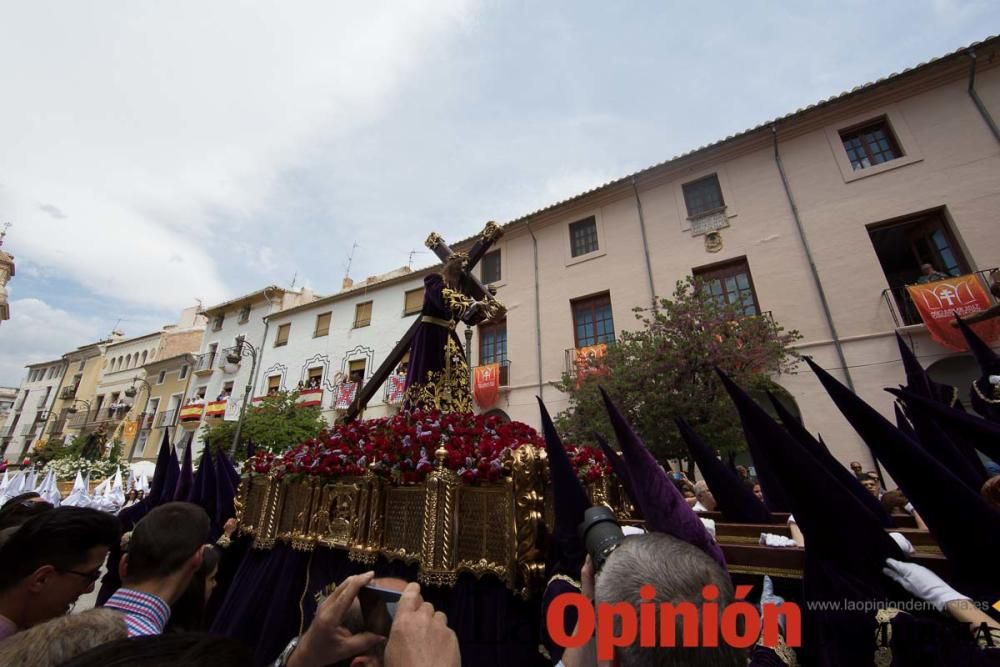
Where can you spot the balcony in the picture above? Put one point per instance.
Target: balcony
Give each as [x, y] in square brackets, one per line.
[395, 385]
[504, 371]
[580, 360]
[904, 312]
[68, 393]
[310, 397]
[166, 418]
[146, 420]
[191, 414]
[205, 363]
[216, 409]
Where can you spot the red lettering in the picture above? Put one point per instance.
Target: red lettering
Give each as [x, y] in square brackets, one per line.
[647, 617]
[735, 633]
[793, 624]
[554, 620]
[607, 640]
[710, 616]
[671, 616]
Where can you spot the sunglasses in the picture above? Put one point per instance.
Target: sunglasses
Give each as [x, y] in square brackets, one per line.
[89, 576]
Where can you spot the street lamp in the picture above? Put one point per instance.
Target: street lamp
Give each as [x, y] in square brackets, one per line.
[234, 358]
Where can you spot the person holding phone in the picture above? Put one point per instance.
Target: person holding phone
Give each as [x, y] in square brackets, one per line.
[340, 634]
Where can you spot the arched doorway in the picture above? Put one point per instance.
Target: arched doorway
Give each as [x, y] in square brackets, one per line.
[958, 371]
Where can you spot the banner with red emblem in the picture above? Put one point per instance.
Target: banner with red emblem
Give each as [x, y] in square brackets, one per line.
[940, 301]
[486, 385]
[397, 385]
[345, 395]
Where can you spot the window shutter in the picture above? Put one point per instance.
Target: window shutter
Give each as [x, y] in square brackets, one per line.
[363, 314]
[413, 301]
[282, 337]
[322, 325]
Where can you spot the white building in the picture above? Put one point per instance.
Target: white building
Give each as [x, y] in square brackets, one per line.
[27, 419]
[340, 339]
[8, 396]
[244, 316]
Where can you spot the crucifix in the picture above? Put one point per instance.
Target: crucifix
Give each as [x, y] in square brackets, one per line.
[471, 285]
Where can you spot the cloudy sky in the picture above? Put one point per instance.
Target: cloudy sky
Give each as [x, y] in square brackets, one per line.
[154, 153]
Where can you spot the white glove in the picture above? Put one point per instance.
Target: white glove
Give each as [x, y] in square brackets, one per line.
[791, 520]
[773, 540]
[767, 597]
[709, 526]
[995, 379]
[632, 530]
[904, 544]
[922, 583]
[908, 508]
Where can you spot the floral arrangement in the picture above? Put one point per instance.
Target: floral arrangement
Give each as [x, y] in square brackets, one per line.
[403, 447]
[66, 468]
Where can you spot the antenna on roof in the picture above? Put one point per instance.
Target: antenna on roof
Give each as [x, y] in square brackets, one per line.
[350, 260]
[409, 264]
[3, 232]
[294, 278]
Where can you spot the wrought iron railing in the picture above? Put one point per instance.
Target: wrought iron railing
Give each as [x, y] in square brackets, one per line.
[166, 418]
[904, 312]
[205, 362]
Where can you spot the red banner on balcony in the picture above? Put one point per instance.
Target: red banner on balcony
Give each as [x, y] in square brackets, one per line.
[486, 385]
[397, 385]
[588, 360]
[940, 301]
[345, 395]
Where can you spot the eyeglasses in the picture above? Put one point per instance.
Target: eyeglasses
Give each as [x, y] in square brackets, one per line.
[89, 576]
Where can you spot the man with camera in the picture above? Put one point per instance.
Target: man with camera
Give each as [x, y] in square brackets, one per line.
[620, 568]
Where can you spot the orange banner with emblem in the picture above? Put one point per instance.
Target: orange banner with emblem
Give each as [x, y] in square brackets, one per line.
[940, 301]
[486, 385]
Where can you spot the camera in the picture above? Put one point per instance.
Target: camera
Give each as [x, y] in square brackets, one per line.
[601, 534]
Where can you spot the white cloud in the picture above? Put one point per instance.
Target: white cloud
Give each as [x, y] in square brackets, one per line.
[156, 130]
[38, 332]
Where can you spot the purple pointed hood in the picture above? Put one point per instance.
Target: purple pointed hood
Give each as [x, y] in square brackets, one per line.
[661, 504]
[617, 464]
[160, 473]
[569, 499]
[736, 502]
[185, 479]
[965, 527]
[819, 452]
[985, 434]
[917, 379]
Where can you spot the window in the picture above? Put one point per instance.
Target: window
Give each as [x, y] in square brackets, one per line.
[213, 349]
[703, 196]
[227, 389]
[356, 370]
[903, 247]
[592, 320]
[273, 384]
[493, 347]
[729, 283]
[281, 338]
[184, 372]
[490, 271]
[322, 325]
[315, 380]
[82, 364]
[217, 322]
[413, 301]
[583, 237]
[362, 314]
[201, 392]
[245, 314]
[871, 144]
[493, 343]
[162, 377]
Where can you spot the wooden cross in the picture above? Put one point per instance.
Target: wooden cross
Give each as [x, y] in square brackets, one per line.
[474, 287]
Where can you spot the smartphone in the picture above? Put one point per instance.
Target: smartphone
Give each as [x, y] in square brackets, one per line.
[677, 475]
[378, 608]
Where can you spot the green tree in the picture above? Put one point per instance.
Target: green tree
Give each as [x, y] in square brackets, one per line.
[666, 369]
[275, 424]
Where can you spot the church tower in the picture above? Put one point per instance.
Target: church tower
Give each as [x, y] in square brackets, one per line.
[6, 273]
